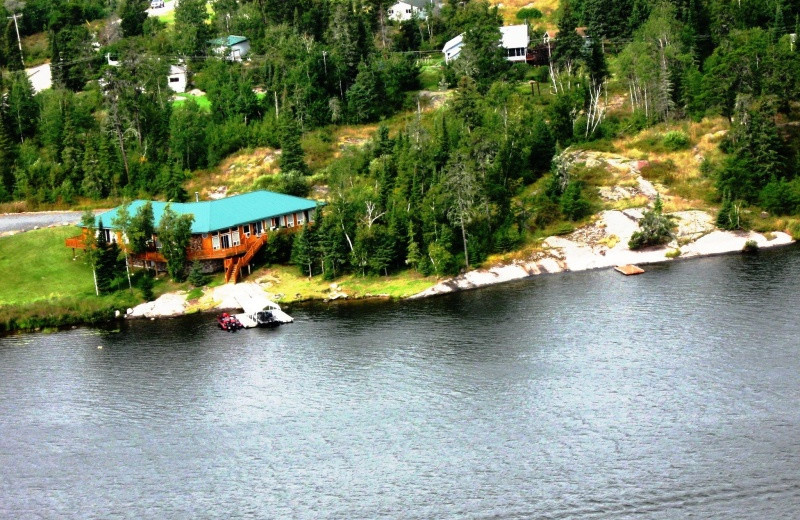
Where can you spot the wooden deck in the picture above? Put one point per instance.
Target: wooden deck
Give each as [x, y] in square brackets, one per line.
[629, 269]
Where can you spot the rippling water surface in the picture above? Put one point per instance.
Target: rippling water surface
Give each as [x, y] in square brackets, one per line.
[586, 395]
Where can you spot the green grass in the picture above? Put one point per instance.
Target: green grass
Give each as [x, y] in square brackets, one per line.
[37, 266]
[429, 77]
[202, 101]
[288, 285]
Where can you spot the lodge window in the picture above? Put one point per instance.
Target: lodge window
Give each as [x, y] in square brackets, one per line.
[225, 240]
[174, 80]
[235, 237]
[258, 228]
[215, 241]
[246, 229]
[300, 219]
[290, 220]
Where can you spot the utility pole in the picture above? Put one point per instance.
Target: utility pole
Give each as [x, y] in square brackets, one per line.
[19, 41]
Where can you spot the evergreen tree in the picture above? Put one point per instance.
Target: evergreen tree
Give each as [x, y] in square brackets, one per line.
[569, 44]
[292, 154]
[303, 249]
[13, 58]
[8, 156]
[104, 265]
[23, 110]
[192, 29]
[133, 14]
[196, 276]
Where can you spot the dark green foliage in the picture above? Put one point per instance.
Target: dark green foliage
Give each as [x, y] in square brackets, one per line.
[573, 205]
[730, 215]
[292, 154]
[11, 54]
[193, 31]
[655, 228]
[529, 13]
[304, 251]
[132, 15]
[780, 197]
[569, 48]
[145, 284]
[196, 276]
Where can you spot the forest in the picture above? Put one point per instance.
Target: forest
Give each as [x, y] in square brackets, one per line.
[478, 176]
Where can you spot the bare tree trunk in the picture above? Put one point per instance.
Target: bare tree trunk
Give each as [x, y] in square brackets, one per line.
[464, 239]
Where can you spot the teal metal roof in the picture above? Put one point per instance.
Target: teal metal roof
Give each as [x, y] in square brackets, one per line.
[224, 213]
[230, 41]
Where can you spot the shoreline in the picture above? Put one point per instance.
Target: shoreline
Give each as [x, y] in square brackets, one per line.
[601, 244]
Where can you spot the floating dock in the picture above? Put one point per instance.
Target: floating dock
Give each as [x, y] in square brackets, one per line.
[252, 300]
[629, 269]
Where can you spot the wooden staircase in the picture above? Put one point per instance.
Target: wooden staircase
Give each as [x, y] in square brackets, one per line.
[234, 270]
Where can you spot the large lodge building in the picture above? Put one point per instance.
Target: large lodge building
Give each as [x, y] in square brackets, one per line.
[226, 233]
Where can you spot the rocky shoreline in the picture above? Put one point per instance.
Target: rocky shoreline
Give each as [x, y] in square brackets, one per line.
[604, 244]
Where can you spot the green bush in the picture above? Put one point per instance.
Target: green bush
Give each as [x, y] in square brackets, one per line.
[751, 246]
[676, 140]
[196, 276]
[655, 228]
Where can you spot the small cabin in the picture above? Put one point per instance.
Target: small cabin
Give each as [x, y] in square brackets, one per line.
[233, 48]
[177, 78]
[407, 9]
[513, 38]
[226, 233]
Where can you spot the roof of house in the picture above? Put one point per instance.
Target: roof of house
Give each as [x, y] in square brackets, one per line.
[514, 36]
[453, 42]
[213, 215]
[228, 41]
[419, 4]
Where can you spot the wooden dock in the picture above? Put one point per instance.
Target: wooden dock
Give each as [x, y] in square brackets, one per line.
[629, 269]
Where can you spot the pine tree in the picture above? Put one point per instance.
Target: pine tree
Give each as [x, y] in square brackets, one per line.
[104, 268]
[133, 14]
[569, 43]
[8, 156]
[196, 276]
[303, 251]
[12, 55]
[292, 154]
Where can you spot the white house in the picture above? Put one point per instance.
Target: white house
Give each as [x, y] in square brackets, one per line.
[176, 80]
[406, 9]
[452, 48]
[234, 47]
[513, 38]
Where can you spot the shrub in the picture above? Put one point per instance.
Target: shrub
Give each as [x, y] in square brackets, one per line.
[730, 215]
[573, 205]
[751, 246]
[676, 140]
[146, 286]
[196, 276]
[673, 253]
[655, 228]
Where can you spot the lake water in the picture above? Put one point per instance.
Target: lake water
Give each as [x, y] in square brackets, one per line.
[673, 394]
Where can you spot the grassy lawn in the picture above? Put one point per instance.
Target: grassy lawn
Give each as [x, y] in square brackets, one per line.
[37, 266]
[286, 284]
[429, 76]
[202, 101]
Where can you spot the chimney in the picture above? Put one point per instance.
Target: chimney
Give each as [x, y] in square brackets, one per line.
[197, 196]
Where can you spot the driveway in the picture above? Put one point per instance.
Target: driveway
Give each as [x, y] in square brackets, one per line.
[15, 222]
[168, 6]
[40, 77]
